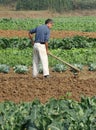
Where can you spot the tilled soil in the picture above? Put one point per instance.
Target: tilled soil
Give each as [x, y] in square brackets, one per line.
[54, 34]
[6, 13]
[18, 87]
[22, 87]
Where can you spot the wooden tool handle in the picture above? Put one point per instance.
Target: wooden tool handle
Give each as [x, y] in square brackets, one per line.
[64, 62]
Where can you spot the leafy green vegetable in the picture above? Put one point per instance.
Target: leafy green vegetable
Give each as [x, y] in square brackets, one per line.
[59, 68]
[92, 67]
[24, 57]
[86, 23]
[65, 43]
[72, 42]
[79, 66]
[61, 114]
[20, 69]
[20, 43]
[4, 68]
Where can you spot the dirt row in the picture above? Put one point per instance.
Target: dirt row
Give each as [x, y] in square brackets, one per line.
[6, 13]
[54, 34]
[22, 87]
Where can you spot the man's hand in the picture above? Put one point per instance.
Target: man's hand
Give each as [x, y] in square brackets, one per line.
[46, 44]
[32, 41]
[31, 38]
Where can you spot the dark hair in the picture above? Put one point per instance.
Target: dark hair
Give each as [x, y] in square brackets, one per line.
[48, 21]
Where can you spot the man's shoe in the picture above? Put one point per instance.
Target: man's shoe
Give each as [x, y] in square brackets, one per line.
[47, 76]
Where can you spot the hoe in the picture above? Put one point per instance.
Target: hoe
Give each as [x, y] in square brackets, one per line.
[76, 69]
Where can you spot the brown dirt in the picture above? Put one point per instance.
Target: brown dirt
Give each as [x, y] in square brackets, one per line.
[27, 14]
[62, 34]
[6, 13]
[22, 87]
[54, 34]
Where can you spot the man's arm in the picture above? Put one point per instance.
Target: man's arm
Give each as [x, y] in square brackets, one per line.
[46, 44]
[47, 39]
[31, 38]
[30, 34]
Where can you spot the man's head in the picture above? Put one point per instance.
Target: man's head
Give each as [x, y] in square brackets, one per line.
[49, 23]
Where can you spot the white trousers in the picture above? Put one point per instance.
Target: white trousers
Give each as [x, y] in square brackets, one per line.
[40, 54]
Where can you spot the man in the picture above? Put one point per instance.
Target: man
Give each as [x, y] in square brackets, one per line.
[40, 47]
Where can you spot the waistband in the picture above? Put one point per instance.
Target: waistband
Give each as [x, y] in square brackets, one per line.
[40, 42]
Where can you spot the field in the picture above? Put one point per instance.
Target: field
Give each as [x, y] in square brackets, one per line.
[73, 39]
[84, 24]
[54, 34]
[22, 87]
[64, 27]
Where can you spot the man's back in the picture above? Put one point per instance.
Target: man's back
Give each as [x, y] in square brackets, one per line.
[42, 34]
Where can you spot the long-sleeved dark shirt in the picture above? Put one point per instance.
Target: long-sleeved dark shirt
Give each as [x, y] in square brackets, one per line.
[42, 33]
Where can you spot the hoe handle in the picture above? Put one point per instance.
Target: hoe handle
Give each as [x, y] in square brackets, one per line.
[64, 62]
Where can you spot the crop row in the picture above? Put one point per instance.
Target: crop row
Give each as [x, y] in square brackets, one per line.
[61, 114]
[15, 56]
[66, 43]
[86, 23]
[22, 69]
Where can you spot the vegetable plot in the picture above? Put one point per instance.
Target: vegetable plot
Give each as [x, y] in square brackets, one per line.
[92, 67]
[59, 68]
[65, 43]
[21, 69]
[86, 23]
[61, 114]
[4, 68]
